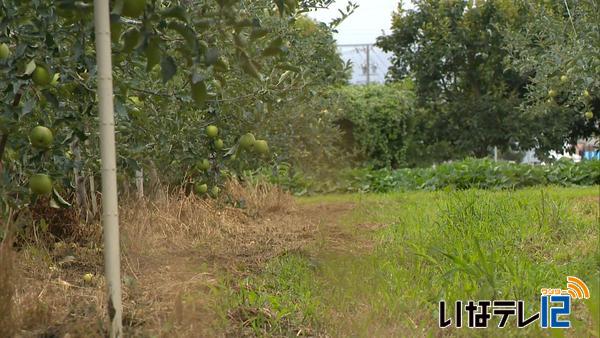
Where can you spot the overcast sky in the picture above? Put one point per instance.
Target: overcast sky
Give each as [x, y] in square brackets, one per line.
[372, 19]
[365, 25]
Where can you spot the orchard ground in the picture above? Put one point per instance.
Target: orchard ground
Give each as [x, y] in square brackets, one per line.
[334, 265]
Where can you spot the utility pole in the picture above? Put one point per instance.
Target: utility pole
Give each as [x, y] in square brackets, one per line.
[368, 48]
[359, 48]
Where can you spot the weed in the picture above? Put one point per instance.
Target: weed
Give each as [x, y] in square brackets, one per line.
[453, 245]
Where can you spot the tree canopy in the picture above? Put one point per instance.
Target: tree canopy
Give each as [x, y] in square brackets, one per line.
[482, 71]
[558, 49]
[179, 66]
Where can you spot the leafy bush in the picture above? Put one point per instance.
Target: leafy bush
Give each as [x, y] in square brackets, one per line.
[466, 174]
[481, 174]
[378, 122]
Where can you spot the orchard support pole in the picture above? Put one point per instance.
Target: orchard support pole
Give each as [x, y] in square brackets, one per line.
[110, 206]
[139, 183]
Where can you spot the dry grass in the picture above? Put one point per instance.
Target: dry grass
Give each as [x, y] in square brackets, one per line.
[260, 199]
[174, 250]
[7, 282]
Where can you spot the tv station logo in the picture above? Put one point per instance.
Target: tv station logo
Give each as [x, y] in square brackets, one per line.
[555, 307]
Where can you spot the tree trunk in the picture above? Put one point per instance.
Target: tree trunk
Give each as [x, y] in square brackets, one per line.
[93, 195]
[139, 183]
[80, 188]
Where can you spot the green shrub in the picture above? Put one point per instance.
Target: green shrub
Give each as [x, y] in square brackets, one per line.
[466, 174]
[482, 174]
[378, 123]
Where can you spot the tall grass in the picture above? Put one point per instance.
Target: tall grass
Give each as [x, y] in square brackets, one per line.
[457, 245]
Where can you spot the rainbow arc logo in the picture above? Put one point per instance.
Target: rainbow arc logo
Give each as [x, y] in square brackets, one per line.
[576, 288]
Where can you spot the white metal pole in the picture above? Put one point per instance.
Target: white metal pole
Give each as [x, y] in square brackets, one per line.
[139, 183]
[110, 206]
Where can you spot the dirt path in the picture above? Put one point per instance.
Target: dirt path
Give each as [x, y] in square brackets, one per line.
[175, 254]
[175, 283]
[180, 290]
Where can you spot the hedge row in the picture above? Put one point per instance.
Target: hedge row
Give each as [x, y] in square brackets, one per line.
[466, 174]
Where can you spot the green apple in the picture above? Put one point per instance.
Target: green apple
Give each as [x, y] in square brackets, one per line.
[40, 184]
[589, 115]
[247, 141]
[212, 131]
[564, 78]
[203, 165]
[200, 188]
[586, 94]
[552, 93]
[4, 51]
[41, 137]
[261, 147]
[41, 76]
[219, 144]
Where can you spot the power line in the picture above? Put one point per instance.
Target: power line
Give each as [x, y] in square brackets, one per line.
[370, 60]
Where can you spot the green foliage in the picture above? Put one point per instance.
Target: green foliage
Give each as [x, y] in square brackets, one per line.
[378, 123]
[489, 245]
[558, 50]
[277, 303]
[178, 67]
[315, 49]
[507, 74]
[481, 174]
[466, 174]
[457, 245]
[454, 54]
[286, 176]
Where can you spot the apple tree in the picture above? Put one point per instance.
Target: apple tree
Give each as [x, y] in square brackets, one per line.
[558, 51]
[179, 67]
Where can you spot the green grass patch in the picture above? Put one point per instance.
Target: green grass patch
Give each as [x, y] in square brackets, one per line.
[471, 244]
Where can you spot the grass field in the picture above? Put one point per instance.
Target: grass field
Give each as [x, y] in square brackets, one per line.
[382, 269]
[370, 265]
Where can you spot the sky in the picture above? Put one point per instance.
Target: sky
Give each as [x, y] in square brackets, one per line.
[371, 19]
[365, 24]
